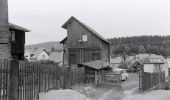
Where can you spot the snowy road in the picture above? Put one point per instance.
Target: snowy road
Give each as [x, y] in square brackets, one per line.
[128, 91]
[94, 93]
[128, 87]
[118, 93]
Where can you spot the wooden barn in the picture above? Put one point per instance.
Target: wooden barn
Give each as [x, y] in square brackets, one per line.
[17, 41]
[83, 44]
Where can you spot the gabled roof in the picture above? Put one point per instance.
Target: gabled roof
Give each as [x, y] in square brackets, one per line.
[62, 41]
[56, 56]
[36, 52]
[86, 26]
[97, 64]
[13, 26]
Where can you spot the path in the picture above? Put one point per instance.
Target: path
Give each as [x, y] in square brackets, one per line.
[119, 93]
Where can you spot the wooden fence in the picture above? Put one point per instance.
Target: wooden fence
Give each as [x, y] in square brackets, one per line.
[149, 81]
[21, 80]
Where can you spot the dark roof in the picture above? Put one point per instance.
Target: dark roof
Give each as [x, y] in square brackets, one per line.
[86, 26]
[97, 64]
[62, 41]
[13, 26]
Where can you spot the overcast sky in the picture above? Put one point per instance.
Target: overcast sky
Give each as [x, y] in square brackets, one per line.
[110, 18]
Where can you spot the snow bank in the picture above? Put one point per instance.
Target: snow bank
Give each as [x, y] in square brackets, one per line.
[63, 95]
[153, 95]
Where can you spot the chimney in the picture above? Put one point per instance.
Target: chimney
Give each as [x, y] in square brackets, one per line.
[5, 51]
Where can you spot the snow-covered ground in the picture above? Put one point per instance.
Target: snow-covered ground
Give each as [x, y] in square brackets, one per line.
[91, 93]
[63, 95]
[153, 95]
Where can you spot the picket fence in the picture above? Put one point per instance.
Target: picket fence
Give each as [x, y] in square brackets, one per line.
[20, 80]
[149, 81]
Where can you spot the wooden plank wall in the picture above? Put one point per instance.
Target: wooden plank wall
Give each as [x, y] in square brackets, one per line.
[78, 56]
[4, 30]
[34, 78]
[150, 80]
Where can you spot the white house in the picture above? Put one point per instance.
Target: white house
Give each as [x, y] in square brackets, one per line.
[36, 54]
[115, 62]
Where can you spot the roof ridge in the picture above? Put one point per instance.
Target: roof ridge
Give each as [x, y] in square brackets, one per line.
[11, 25]
[87, 27]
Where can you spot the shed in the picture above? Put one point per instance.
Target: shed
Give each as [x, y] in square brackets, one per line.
[153, 74]
[95, 71]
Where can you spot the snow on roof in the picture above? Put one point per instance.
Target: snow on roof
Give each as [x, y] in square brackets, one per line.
[13, 26]
[56, 56]
[36, 52]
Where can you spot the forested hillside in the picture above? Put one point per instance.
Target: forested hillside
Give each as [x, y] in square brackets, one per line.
[141, 44]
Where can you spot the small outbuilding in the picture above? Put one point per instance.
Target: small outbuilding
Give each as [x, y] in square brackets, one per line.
[153, 74]
[95, 71]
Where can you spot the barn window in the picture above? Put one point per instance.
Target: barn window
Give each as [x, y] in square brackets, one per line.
[84, 38]
[12, 35]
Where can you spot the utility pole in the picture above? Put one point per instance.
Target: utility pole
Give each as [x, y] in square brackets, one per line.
[5, 51]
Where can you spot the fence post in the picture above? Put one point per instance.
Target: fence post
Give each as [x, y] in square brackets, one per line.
[14, 71]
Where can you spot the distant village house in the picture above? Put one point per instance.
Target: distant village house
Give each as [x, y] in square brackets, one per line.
[36, 55]
[41, 54]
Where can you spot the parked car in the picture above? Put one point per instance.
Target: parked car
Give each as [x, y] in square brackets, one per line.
[123, 72]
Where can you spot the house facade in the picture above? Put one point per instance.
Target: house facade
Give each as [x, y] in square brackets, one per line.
[17, 41]
[83, 44]
[36, 55]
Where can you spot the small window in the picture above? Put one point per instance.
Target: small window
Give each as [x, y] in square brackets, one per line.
[84, 38]
[12, 35]
[43, 56]
[31, 55]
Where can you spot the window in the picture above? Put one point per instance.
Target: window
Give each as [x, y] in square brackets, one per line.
[43, 56]
[31, 55]
[84, 38]
[12, 35]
